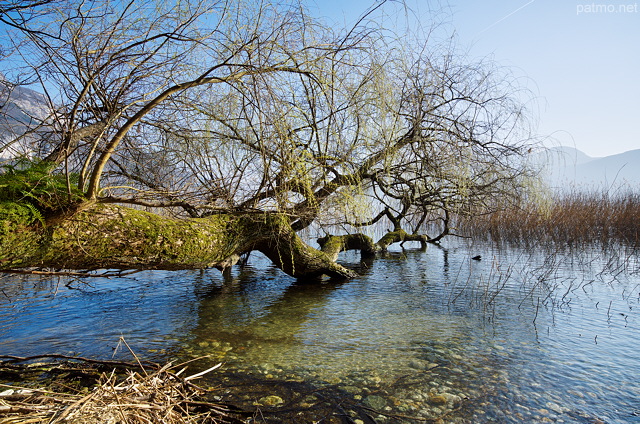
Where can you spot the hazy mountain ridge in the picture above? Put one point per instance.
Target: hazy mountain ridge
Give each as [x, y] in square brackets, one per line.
[21, 109]
[567, 167]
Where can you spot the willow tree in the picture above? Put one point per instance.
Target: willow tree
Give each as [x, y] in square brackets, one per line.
[236, 124]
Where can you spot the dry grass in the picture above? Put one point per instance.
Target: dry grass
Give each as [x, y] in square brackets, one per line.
[571, 219]
[139, 397]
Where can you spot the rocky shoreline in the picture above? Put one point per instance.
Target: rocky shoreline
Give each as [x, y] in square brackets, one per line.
[264, 394]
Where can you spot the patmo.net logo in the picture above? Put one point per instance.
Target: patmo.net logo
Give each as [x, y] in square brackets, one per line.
[603, 8]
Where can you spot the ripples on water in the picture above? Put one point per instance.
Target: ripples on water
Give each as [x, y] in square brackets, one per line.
[515, 337]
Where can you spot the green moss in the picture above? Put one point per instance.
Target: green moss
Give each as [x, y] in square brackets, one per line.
[18, 238]
[392, 237]
[107, 236]
[401, 236]
[133, 238]
[331, 245]
[19, 213]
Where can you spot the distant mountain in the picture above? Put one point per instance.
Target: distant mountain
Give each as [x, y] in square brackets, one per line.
[21, 110]
[566, 168]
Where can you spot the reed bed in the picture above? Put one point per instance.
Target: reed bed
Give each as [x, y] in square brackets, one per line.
[572, 219]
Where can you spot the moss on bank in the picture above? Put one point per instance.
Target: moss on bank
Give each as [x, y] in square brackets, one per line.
[20, 233]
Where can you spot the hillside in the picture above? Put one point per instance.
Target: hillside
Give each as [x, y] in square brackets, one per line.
[21, 110]
[567, 167]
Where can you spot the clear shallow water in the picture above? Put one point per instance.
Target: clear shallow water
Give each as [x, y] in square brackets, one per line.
[512, 338]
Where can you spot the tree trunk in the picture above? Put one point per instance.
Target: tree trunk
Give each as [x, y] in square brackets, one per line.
[401, 236]
[333, 245]
[114, 237]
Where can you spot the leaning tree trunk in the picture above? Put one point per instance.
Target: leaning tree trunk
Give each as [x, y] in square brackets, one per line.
[115, 237]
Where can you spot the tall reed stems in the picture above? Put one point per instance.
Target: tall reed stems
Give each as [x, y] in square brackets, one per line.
[569, 219]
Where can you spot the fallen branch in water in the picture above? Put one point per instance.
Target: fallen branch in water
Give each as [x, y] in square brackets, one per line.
[106, 274]
[10, 359]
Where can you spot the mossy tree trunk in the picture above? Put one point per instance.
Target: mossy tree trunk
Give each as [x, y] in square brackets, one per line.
[106, 236]
[401, 236]
[333, 245]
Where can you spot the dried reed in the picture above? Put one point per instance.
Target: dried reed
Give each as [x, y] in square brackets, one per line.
[141, 397]
[570, 219]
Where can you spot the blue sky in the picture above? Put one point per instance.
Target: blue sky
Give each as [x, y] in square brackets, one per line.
[582, 59]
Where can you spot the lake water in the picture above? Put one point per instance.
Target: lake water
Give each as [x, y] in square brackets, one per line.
[420, 336]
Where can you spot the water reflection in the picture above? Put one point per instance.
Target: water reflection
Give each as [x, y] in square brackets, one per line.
[66, 316]
[508, 338]
[516, 337]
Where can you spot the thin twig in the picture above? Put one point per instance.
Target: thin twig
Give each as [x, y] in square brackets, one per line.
[71, 273]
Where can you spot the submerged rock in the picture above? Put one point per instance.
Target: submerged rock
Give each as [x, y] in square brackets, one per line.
[422, 365]
[375, 402]
[448, 399]
[418, 364]
[271, 401]
[556, 408]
